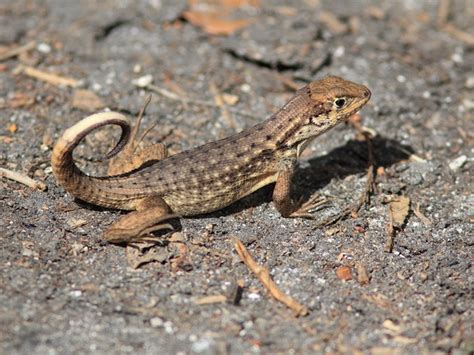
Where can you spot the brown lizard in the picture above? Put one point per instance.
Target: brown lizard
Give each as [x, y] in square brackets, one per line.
[209, 177]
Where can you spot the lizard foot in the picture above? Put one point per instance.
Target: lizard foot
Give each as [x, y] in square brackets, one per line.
[136, 227]
[304, 209]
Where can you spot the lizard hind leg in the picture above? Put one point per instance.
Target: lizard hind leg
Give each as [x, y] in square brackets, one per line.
[132, 156]
[137, 226]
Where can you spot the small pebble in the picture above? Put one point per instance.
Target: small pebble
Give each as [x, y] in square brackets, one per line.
[156, 322]
[143, 81]
[44, 48]
[469, 84]
[457, 163]
[468, 104]
[137, 68]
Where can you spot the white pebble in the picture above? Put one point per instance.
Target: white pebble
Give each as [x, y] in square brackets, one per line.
[143, 81]
[457, 163]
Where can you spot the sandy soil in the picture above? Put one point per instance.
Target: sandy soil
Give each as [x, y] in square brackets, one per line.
[63, 289]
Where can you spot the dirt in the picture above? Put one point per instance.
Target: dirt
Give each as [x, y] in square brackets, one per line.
[64, 289]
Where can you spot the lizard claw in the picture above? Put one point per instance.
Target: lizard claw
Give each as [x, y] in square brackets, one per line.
[304, 210]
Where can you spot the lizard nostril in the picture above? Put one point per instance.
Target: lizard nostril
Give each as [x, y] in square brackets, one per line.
[367, 93]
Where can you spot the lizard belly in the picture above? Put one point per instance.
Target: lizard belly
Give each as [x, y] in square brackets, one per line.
[205, 199]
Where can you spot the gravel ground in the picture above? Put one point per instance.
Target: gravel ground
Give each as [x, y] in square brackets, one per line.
[63, 289]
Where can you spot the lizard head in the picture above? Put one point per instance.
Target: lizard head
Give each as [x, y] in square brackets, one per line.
[330, 101]
[335, 99]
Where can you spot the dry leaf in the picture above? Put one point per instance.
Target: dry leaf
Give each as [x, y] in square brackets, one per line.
[225, 4]
[213, 24]
[76, 222]
[6, 140]
[20, 99]
[392, 327]
[12, 127]
[334, 25]
[399, 208]
[378, 299]
[230, 99]
[344, 273]
[362, 276]
[182, 261]
[137, 258]
[87, 100]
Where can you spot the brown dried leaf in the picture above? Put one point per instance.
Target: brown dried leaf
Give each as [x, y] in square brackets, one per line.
[6, 140]
[226, 4]
[12, 127]
[87, 100]
[379, 299]
[399, 208]
[20, 99]
[137, 258]
[213, 24]
[182, 261]
[344, 273]
[334, 25]
[362, 276]
[230, 99]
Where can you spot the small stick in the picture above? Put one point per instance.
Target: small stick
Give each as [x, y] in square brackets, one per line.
[426, 221]
[224, 109]
[211, 299]
[22, 179]
[47, 77]
[17, 51]
[388, 247]
[443, 12]
[264, 277]
[460, 35]
[444, 25]
[185, 100]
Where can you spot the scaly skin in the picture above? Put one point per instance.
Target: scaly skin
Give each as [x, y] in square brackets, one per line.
[211, 176]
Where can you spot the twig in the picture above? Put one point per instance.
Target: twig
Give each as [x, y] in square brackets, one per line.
[183, 260]
[388, 247]
[444, 25]
[185, 100]
[461, 35]
[17, 51]
[264, 277]
[364, 197]
[426, 221]
[222, 106]
[211, 299]
[47, 77]
[362, 276]
[22, 179]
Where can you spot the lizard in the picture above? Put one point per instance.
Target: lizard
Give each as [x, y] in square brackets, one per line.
[157, 187]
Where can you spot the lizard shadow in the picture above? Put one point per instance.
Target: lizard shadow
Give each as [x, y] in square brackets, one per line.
[349, 159]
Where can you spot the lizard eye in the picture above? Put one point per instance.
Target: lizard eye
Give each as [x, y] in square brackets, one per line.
[340, 102]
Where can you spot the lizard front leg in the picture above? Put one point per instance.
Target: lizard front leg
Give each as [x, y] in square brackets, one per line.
[136, 226]
[282, 197]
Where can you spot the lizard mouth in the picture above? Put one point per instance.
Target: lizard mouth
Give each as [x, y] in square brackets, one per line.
[359, 104]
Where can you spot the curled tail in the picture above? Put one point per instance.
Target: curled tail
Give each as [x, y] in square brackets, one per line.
[67, 174]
